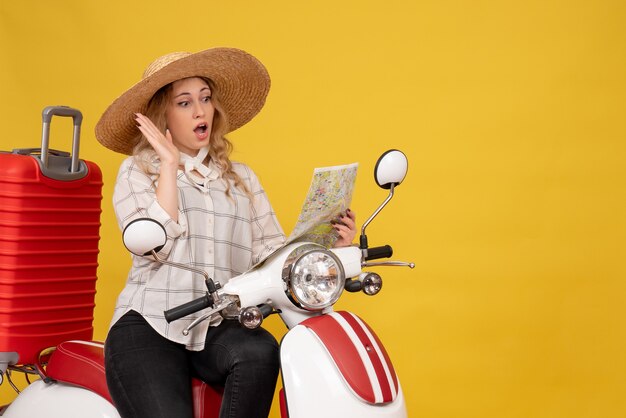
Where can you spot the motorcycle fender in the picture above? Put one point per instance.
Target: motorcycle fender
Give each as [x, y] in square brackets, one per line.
[317, 381]
[59, 400]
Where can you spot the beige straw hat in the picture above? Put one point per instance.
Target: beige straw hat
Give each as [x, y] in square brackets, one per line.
[241, 79]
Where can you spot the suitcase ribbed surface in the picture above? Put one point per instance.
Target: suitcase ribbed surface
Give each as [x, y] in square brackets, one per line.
[49, 234]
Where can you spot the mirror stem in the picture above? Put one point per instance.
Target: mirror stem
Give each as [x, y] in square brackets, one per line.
[209, 283]
[363, 239]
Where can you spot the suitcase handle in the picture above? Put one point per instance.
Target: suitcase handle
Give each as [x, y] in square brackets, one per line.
[77, 117]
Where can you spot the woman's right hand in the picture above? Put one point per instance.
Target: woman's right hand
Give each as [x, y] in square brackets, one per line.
[163, 144]
[167, 189]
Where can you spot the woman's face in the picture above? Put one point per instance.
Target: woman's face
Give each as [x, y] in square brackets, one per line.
[189, 114]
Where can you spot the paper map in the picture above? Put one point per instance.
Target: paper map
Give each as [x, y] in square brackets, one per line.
[329, 195]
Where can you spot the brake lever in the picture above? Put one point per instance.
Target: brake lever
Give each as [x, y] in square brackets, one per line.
[218, 308]
[388, 263]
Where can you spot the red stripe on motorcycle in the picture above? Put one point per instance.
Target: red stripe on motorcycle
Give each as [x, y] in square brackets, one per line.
[392, 371]
[374, 350]
[344, 353]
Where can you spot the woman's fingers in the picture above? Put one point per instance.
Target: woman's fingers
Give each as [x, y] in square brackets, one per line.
[346, 236]
[163, 144]
[349, 219]
[147, 128]
[346, 228]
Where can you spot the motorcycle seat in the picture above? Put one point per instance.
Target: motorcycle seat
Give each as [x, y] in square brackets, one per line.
[81, 363]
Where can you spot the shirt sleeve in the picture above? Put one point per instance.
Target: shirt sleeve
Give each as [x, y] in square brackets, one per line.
[134, 197]
[267, 234]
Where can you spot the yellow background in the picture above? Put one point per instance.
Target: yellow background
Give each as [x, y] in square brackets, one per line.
[511, 114]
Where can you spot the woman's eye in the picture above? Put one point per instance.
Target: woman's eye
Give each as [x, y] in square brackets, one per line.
[183, 103]
[206, 99]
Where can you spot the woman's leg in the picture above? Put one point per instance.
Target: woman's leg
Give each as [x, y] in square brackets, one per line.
[246, 362]
[148, 375]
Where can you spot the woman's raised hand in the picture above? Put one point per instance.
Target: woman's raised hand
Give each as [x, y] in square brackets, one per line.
[162, 143]
[167, 189]
[346, 227]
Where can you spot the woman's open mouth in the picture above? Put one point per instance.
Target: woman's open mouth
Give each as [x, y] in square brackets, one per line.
[202, 131]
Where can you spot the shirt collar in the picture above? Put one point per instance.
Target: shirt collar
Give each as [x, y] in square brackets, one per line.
[196, 170]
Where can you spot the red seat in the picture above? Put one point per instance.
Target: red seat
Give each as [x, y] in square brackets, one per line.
[81, 363]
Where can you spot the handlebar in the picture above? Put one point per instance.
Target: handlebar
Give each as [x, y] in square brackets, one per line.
[384, 251]
[188, 308]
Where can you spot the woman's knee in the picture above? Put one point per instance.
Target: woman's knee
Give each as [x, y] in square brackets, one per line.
[239, 345]
[260, 347]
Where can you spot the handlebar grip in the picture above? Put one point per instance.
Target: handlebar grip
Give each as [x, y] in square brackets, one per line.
[188, 308]
[384, 251]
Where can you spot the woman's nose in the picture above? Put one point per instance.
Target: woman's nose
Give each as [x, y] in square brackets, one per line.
[198, 110]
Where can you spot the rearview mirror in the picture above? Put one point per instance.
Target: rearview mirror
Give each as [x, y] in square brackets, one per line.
[390, 169]
[144, 235]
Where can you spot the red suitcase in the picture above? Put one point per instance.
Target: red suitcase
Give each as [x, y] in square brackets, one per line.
[50, 205]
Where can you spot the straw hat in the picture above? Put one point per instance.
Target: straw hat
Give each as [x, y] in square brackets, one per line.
[241, 79]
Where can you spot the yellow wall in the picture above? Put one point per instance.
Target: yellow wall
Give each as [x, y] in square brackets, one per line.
[511, 114]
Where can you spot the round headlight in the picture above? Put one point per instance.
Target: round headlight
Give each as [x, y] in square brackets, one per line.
[316, 279]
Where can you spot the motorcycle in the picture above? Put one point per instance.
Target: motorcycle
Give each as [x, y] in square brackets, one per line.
[332, 362]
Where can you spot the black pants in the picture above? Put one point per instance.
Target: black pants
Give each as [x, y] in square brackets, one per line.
[150, 376]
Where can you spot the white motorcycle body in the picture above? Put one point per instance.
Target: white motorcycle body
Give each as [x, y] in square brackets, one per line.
[59, 400]
[323, 377]
[332, 363]
[266, 285]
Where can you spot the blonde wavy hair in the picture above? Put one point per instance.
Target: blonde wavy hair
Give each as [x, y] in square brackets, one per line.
[220, 147]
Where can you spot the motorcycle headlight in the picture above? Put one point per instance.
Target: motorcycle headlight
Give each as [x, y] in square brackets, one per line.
[314, 277]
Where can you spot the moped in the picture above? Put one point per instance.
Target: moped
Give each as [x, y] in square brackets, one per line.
[332, 362]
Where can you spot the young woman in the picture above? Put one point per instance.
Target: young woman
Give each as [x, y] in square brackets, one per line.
[217, 218]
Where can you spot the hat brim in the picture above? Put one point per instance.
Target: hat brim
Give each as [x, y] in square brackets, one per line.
[242, 81]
